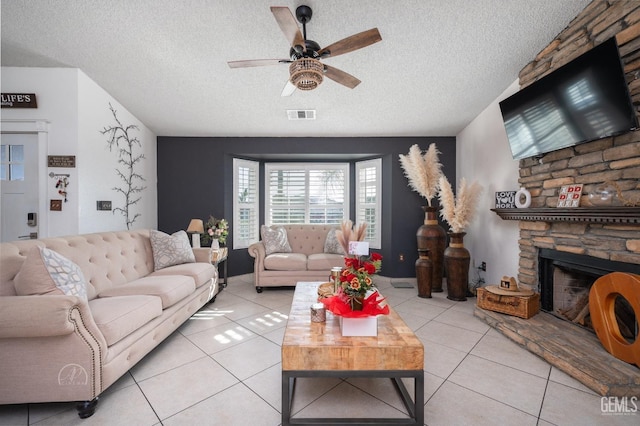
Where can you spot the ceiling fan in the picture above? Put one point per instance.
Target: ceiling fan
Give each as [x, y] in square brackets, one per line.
[306, 72]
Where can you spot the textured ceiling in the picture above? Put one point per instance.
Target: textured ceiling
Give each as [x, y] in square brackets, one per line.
[440, 62]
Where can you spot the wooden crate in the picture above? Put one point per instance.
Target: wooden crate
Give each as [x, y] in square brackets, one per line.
[519, 306]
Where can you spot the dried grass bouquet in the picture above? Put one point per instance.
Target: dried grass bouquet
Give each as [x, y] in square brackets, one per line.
[458, 211]
[350, 233]
[422, 170]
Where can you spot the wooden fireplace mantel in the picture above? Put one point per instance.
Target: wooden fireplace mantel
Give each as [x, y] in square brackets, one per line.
[617, 215]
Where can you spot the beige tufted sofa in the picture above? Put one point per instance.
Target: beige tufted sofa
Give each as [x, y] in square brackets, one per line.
[56, 348]
[307, 262]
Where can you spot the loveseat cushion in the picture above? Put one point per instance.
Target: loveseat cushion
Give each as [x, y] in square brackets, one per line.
[117, 317]
[331, 244]
[324, 261]
[46, 272]
[286, 262]
[199, 271]
[275, 239]
[169, 288]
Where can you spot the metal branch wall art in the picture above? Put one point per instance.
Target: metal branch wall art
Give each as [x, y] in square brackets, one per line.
[120, 137]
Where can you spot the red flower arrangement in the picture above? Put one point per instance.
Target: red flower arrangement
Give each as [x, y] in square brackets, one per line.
[352, 299]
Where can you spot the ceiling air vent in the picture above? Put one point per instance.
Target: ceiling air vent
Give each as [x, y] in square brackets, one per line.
[301, 114]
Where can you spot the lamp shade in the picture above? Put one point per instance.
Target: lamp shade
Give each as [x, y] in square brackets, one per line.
[196, 225]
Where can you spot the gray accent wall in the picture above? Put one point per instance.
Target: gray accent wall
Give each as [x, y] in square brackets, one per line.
[195, 179]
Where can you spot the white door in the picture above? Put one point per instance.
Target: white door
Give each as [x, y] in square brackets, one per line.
[19, 186]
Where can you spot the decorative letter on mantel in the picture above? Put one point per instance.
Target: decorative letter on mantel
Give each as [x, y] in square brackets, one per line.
[119, 136]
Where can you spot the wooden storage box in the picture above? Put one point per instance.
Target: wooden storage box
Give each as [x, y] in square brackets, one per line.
[519, 306]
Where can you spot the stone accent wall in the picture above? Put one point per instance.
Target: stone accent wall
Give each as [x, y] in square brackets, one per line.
[614, 159]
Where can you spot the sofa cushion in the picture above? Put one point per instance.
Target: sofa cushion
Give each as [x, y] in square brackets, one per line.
[324, 261]
[286, 262]
[46, 272]
[169, 288]
[275, 239]
[117, 317]
[169, 250]
[199, 271]
[331, 244]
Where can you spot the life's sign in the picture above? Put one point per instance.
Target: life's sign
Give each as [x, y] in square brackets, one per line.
[18, 100]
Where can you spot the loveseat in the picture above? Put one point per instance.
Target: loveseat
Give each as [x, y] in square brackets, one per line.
[313, 250]
[57, 347]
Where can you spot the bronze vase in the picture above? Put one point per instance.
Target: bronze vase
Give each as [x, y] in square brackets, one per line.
[431, 236]
[456, 263]
[357, 303]
[424, 273]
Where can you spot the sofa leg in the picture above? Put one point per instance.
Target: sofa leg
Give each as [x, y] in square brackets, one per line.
[87, 408]
[259, 289]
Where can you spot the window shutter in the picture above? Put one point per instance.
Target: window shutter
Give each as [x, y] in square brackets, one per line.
[369, 199]
[245, 203]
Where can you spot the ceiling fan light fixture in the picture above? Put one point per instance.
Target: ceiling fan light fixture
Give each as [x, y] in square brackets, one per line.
[306, 73]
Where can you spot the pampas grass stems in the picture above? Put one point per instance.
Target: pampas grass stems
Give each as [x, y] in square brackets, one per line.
[458, 211]
[422, 171]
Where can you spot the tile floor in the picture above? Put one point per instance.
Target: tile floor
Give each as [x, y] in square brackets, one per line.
[222, 367]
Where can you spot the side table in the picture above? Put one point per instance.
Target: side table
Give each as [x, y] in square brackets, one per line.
[217, 257]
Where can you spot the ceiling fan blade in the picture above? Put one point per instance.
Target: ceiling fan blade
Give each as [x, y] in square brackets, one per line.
[288, 25]
[288, 89]
[256, 63]
[341, 77]
[349, 44]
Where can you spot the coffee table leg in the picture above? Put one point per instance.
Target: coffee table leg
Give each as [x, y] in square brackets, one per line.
[288, 385]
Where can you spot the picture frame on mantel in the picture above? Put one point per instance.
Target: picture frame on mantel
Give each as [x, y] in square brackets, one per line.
[570, 195]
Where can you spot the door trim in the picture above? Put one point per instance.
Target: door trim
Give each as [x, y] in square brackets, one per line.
[41, 128]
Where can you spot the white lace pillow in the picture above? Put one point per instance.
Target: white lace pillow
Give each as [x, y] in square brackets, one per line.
[275, 239]
[331, 244]
[46, 272]
[169, 250]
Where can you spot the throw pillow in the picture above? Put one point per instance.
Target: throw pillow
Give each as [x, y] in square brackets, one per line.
[169, 250]
[275, 240]
[46, 272]
[331, 244]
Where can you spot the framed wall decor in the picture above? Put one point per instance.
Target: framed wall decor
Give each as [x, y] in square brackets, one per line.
[570, 195]
[505, 200]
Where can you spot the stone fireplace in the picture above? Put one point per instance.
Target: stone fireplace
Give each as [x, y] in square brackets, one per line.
[562, 251]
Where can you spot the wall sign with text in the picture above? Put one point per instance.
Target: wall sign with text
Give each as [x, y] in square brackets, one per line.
[18, 100]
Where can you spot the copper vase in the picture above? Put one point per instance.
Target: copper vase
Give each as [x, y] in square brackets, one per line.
[431, 236]
[456, 263]
[424, 273]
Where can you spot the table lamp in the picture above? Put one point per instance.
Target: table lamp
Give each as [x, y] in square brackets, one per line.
[196, 227]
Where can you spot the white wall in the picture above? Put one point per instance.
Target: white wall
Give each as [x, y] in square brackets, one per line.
[483, 154]
[76, 109]
[98, 169]
[56, 92]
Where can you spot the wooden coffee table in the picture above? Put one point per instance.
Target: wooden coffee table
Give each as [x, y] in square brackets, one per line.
[319, 350]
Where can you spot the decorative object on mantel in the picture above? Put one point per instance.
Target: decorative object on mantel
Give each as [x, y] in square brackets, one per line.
[520, 203]
[505, 200]
[120, 137]
[603, 297]
[216, 232]
[458, 212]
[607, 193]
[196, 228]
[570, 195]
[424, 273]
[423, 172]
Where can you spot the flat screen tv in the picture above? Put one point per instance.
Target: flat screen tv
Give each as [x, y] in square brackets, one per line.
[584, 100]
